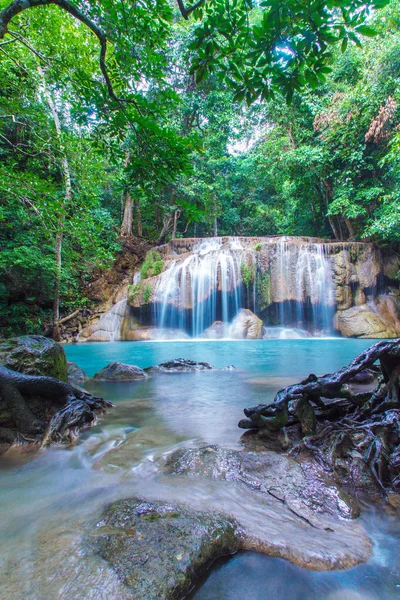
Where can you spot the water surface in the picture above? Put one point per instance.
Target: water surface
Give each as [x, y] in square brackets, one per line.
[51, 499]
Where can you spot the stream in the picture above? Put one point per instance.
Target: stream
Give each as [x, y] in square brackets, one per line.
[50, 499]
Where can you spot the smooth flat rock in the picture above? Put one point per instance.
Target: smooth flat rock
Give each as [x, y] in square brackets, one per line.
[284, 508]
[117, 371]
[159, 549]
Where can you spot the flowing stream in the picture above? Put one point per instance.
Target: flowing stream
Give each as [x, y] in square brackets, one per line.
[50, 500]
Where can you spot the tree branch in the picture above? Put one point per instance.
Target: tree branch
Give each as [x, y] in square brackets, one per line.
[18, 6]
[185, 12]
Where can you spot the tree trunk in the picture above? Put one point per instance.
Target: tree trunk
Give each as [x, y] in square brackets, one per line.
[127, 220]
[327, 194]
[349, 226]
[67, 200]
[139, 219]
[168, 223]
[176, 217]
[215, 227]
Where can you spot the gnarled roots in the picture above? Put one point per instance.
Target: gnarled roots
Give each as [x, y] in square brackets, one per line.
[43, 409]
[353, 432]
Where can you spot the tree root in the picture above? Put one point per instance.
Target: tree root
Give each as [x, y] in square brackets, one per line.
[354, 435]
[44, 410]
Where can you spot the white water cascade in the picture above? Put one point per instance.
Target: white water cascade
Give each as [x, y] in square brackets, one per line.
[306, 292]
[206, 285]
[203, 287]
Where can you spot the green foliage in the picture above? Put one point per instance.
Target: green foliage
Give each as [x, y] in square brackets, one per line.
[189, 146]
[264, 290]
[248, 273]
[152, 265]
[258, 247]
[147, 293]
[133, 292]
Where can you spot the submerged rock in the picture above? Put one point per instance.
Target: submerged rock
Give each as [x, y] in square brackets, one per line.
[364, 377]
[283, 508]
[117, 371]
[143, 334]
[246, 325]
[34, 355]
[75, 373]
[184, 365]
[304, 491]
[160, 549]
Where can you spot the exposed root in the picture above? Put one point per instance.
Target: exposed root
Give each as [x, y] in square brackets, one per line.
[44, 410]
[354, 435]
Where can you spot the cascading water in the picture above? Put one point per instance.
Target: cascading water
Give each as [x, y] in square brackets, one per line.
[204, 287]
[294, 286]
[306, 291]
[207, 285]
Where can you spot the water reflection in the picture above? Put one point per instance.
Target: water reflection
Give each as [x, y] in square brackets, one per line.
[254, 576]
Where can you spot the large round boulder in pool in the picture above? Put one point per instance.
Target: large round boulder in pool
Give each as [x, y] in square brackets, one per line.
[117, 371]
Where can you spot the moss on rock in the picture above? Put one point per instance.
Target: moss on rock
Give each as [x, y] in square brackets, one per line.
[34, 355]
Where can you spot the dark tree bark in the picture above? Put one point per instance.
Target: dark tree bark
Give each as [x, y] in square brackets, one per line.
[332, 418]
[67, 408]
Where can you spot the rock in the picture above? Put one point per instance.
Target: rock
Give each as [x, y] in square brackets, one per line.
[117, 371]
[180, 365]
[34, 355]
[393, 501]
[216, 331]
[108, 327]
[246, 325]
[264, 471]
[159, 549]
[75, 373]
[367, 321]
[283, 508]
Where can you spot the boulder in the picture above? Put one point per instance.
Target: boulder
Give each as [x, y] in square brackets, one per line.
[246, 325]
[364, 377]
[160, 549]
[216, 331]
[75, 373]
[34, 355]
[117, 371]
[367, 321]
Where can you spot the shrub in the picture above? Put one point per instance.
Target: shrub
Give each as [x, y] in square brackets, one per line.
[153, 264]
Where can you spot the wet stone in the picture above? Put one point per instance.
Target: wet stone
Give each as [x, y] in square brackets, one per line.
[75, 373]
[159, 549]
[117, 371]
[183, 365]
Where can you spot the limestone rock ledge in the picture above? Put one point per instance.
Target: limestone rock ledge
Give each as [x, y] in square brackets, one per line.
[379, 319]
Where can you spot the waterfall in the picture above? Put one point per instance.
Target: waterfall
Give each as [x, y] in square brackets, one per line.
[204, 287]
[306, 292]
[295, 286]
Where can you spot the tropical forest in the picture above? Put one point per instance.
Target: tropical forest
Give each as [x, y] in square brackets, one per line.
[199, 299]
